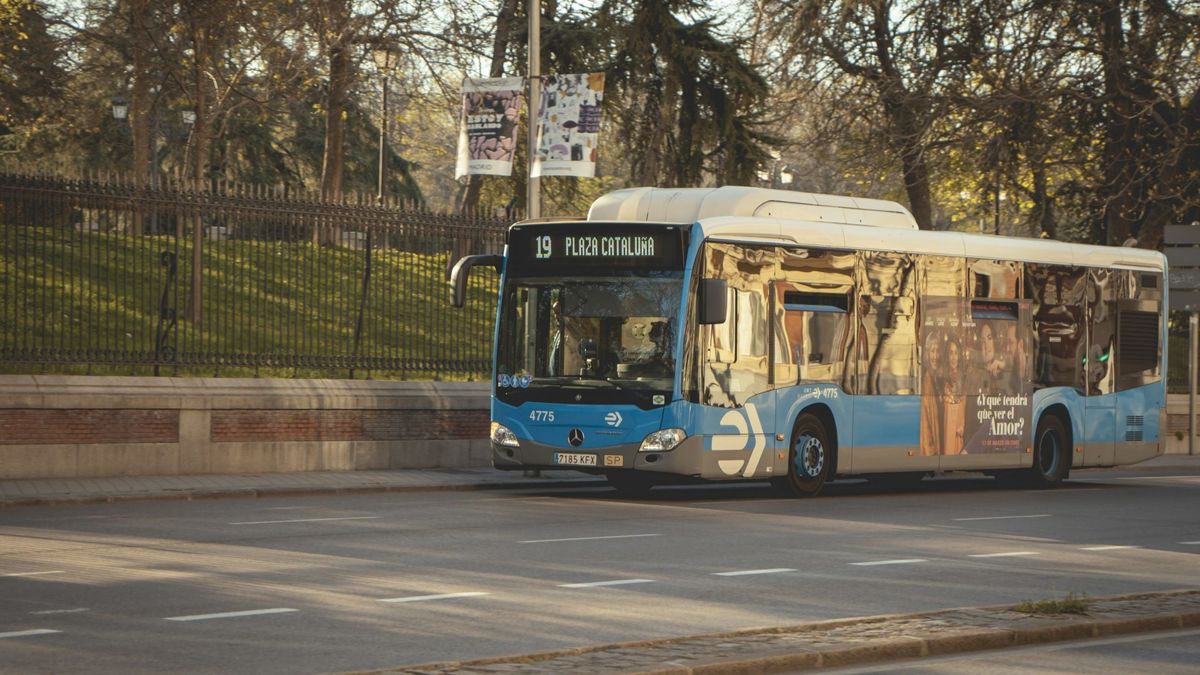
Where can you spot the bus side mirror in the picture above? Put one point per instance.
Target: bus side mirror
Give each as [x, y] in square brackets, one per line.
[714, 301]
[462, 271]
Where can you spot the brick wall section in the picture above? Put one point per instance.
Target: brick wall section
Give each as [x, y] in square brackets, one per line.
[83, 426]
[240, 426]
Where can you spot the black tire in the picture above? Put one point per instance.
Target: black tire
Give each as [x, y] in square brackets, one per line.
[1051, 454]
[630, 483]
[810, 457]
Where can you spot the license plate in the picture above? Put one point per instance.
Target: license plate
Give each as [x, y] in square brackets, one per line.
[574, 458]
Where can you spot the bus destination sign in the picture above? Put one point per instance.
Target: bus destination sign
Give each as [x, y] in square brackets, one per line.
[568, 248]
[593, 246]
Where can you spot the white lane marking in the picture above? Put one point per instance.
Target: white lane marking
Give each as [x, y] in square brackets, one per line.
[902, 561]
[1190, 543]
[740, 573]
[439, 596]
[615, 582]
[1006, 554]
[32, 574]
[302, 520]
[1105, 548]
[76, 610]
[26, 633]
[231, 615]
[611, 536]
[1039, 515]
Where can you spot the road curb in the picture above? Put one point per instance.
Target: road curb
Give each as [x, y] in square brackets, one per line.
[970, 639]
[289, 491]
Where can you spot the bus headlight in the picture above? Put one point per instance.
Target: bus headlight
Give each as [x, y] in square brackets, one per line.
[662, 440]
[501, 435]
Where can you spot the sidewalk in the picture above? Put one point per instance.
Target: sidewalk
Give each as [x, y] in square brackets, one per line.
[846, 642]
[130, 488]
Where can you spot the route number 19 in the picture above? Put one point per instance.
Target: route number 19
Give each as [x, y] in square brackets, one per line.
[543, 246]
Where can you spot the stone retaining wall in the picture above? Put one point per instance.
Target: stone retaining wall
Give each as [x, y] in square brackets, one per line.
[54, 426]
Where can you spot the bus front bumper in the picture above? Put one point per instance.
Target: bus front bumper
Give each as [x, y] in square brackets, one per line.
[688, 459]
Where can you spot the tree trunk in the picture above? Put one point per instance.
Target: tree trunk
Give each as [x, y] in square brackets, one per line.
[333, 161]
[139, 111]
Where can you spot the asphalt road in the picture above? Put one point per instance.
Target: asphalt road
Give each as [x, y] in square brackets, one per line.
[326, 583]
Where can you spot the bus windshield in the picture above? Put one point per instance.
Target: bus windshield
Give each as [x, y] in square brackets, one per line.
[596, 339]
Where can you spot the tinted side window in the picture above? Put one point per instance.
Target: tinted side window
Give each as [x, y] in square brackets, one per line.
[1100, 359]
[1057, 295]
[887, 339]
[736, 353]
[813, 304]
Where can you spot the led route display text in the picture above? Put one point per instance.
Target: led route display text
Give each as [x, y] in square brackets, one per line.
[609, 246]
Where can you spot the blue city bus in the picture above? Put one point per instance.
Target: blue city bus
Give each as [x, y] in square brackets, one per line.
[712, 334]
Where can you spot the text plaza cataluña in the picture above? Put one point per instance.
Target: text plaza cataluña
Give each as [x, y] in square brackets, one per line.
[608, 246]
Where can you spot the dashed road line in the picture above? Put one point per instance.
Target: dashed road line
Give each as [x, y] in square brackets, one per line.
[1038, 515]
[1004, 554]
[611, 536]
[75, 610]
[32, 574]
[1105, 548]
[231, 615]
[1190, 543]
[741, 573]
[614, 582]
[28, 633]
[901, 561]
[302, 520]
[438, 596]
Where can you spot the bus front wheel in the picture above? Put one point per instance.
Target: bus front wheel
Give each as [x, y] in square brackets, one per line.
[810, 458]
[1051, 453]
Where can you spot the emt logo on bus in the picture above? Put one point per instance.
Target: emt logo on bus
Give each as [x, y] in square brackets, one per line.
[748, 436]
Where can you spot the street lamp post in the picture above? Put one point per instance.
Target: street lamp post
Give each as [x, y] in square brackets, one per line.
[386, 58]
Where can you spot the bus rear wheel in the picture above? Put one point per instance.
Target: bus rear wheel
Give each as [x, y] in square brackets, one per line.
[1051, 453]
[810, 457]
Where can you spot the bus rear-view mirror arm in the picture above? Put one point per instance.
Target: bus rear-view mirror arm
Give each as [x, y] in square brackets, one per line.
[714, 297]
[462, 271]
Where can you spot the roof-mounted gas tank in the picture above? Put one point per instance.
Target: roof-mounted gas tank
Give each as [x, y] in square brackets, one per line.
[688, 205]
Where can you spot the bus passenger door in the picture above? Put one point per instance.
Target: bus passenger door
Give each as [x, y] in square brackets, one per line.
[1100, 414]
[887, 402]
[735, 381]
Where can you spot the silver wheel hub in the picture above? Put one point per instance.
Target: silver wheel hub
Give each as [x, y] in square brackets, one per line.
[810, 456]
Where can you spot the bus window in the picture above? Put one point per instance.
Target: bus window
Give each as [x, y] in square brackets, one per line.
[1099, 361]
[736, 352]
[1057, 296]
[995, 279]
[887, 338]
[812, 323]
[942, 276]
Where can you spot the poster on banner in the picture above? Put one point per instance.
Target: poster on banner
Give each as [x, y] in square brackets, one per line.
[488, 127]
[568, 125]
[976, 385]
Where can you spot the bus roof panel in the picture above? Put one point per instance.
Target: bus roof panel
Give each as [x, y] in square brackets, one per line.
[688, 205]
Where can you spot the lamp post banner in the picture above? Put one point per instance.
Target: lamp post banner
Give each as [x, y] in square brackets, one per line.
[569, 125]
[487, 135]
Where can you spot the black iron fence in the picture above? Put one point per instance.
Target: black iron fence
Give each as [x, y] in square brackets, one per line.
[98, 276]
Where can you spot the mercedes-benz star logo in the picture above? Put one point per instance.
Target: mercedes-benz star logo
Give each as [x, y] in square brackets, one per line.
[575, 437]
